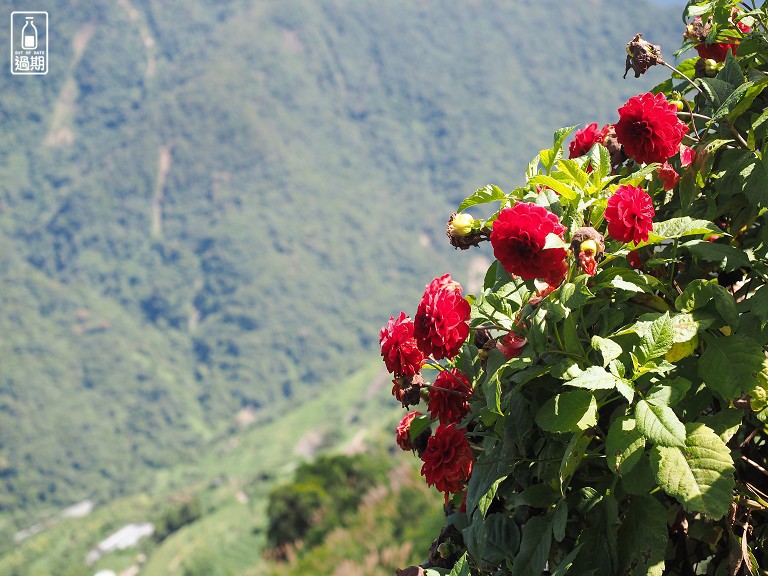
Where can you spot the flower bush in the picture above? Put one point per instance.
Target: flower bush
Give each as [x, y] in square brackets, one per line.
[600, 406]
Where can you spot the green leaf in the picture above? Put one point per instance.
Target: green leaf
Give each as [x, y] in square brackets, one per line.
[483, 195]
[658, 339]
[552, 240]
[724, 423]
[534, 547]
[518, 423]
[487, 472]
[635, 178]
[575, 294]
[677, 228]
[600, 160]
[668, 392]
[608, 349]
[730, 364]
[493, 540]
[643, 536]
[561, 188]
[593, 378]
[699, 475]
[728, 257]
[491, 383]
[568, 412]
[560, 520]
[574, 170]
[699, 293]
[756, 304]
[740, 100]
[659, 424]
[599, 546]
[418, 425]
[574, 454]
[716, 90]
[461, 568]
[624, 445]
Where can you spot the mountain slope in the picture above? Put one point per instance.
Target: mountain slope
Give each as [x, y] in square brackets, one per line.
[211, 207]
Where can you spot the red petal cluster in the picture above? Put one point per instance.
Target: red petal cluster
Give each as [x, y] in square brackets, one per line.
[687, 156]
[442, 319]
[585, 138]
[648, 128]
[630, 214]
[668, 176]
[449, 396]
[398, 347]
[404, 431]
[511, 345]
[717, 51]
[448, 459]
[518, 237]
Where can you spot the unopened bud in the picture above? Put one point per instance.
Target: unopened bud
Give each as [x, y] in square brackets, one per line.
[460, 225]
[678, 104]
[712, 67]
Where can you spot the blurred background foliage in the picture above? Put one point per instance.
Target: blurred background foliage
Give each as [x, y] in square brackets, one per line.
[206, 208]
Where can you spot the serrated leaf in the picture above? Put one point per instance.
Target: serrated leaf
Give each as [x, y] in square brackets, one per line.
[699, 293]
[638, 176]
[659, 424]
[643, 536]
[573, 456]
[593, 378]
[482, 195]
[657, 341]
[575, 294]
[487, 472]
[608, 349]
[570, 411]
[728, 257]
[730, 364]
[624, 445]
[574, 170]
[677, 228]
[561, 188]
[698, 475]
[461, 568]
[740, 100]
[668, 392]
[756, 304]
[725, 423]
[534, 547]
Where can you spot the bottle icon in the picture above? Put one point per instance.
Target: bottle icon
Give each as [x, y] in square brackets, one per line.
[29, 35]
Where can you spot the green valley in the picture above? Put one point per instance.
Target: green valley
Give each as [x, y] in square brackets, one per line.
[205, 210]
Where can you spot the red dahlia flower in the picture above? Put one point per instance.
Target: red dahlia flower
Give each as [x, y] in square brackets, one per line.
[441, 324]
[447, 460]
[687, 155]
[648, 128]
[716, 51]
[404, 431]
[585, 138]
[630, 214]
[518, 237]
[398, 347]
[449, 396]
[511, 345]
[668, 176]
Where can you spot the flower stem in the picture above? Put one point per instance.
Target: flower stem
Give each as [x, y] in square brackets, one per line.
[676, 71]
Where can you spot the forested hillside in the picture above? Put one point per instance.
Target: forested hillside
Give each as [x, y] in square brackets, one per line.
[195, 217]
